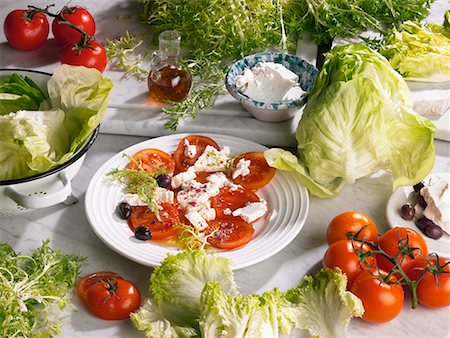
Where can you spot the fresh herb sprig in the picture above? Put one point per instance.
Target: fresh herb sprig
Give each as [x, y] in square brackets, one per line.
[30, 287]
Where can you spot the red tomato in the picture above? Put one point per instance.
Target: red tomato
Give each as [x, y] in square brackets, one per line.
[260, 172]
[232, 199]
[25, 29]
[343, 254]
[382, 301]
[79, 17]
[229, 232]
[351, 223]
[86, 282]
[114, 299]
[160, 229]
[433, 289]
[151, 160]
[391, 242]
[92, 56]
[182, 163]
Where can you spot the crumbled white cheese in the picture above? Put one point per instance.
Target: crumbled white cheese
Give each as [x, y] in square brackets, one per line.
[212, 160]
[436, 194]
[134, 200]
[183, 177]
[208, 213]
[227, 211]
[189, 150]
[196, 220]
[164, 195]
[252, 211]
[242, 168]
[269, 82]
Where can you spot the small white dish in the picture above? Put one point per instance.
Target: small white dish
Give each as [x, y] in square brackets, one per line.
[405, 195]
[284, 194]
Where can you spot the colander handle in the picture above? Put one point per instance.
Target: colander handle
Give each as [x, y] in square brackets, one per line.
[35, 202]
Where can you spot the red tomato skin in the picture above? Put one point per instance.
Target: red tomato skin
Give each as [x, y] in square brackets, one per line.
[260, 172]
[351, 221]
[113, 306]
[432, 293]
[382, 302]
[389, 242]
[87, 57]
[233, 232]
[86, 282]
[151, 160]
[81, 18]
[23, 34]
[341, 254]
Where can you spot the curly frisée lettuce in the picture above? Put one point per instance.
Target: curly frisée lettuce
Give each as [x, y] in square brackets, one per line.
[194, 294]
[419, 52]
[48, 137]
[358, 119]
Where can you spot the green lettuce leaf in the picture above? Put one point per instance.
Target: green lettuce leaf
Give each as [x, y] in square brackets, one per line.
[33, 142]
[358, 119]
[419, 52]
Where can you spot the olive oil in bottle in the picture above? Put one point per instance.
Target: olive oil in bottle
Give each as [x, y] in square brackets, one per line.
[168, 79]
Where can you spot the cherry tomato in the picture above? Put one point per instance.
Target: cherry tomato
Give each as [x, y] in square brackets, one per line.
[382, 301]
[114, 299]
[343, 254]
[260, 172]
[229, 232]
[433, 289]
[232, 199]
[91, 56]
[151, 160]
[86, 282]
[79, 17]
[351, 223]
[26, 29]
[159, 228]
[182, 162]
[392, 241]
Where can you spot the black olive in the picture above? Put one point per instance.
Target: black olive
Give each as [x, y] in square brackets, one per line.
[434, 231]
[142, 233]
[423, 223]
[421, 200]
[407, 212]
[418, 186]
[163, 180]
[124, 210]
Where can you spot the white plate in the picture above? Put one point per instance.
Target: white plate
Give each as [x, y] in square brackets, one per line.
[284, 194]
[405, 195]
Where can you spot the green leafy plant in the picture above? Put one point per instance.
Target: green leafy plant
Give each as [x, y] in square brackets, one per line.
[30, 287]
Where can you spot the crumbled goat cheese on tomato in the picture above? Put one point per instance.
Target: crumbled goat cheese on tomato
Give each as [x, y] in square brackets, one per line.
[242, 168]
[212, 159]
[252, 211]
[436, 195]
[183, 177]
[208, 213]
[189, 150]
[196, 220]
[269, 82]
[227, 211]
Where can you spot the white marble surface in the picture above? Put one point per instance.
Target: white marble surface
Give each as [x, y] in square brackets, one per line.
[68, 228]
[130, 111]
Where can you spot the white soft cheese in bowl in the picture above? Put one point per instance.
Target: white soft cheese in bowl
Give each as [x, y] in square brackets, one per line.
[269, 82]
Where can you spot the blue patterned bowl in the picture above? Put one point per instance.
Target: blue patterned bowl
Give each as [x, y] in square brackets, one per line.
[273, 111]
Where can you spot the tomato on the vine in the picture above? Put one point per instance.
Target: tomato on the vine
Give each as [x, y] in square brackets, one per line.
[351, 222]
[77, 16]
[433, 288]
[92, 56]
[344, 255]
[86, 282]
[392, 243]
[25, 29]
[113, 299]
[382, 300]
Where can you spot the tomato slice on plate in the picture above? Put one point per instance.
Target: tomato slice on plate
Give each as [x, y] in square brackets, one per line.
[182, 162]
[87, 281]
[260, 172]
[159, 228]
[151, 160]
[232, 199]
[229, 232]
